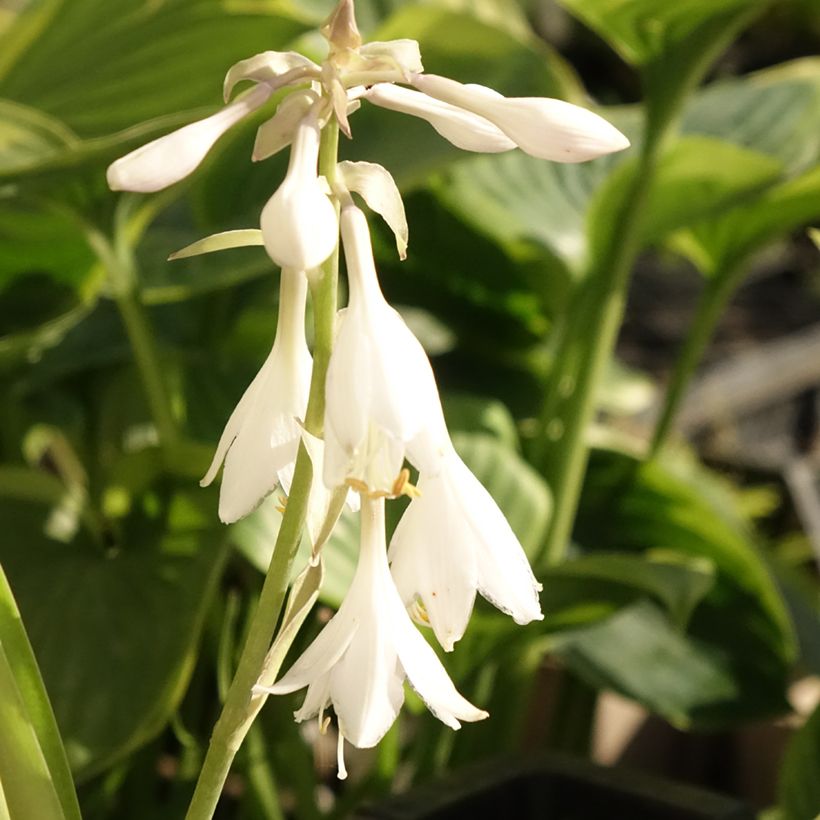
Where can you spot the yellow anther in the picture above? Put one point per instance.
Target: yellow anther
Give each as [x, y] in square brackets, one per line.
[358, 485]
[323, 724]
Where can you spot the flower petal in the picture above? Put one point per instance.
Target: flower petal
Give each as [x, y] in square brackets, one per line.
[223, 241]
[383, 62]
[173, 157]
[277, 132]
[274, 68]
[465, 130]
[543, 127]
[504, 575]
[432, 558]
[367, 683]
[379, 190]
[426, 674]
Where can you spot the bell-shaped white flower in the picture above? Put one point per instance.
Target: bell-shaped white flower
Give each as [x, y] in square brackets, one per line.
[359, 661]
[380, 390]
[463, 129]
[453, 541]
[299, 223]
[540, 126]
[168, 159]
[261, 439]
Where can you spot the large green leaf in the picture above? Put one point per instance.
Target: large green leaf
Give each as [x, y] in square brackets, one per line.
[144, 61]
[673, 43]
[592, 586]
[638, 653]
[29, 137]
[799, 787]
[682, 509]
[35, 780]
[114, 619]
[775, 112]
[523, 202]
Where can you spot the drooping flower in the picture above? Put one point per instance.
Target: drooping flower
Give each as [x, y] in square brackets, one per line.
[360, 659]
[299, 222]
[452, 542]
[261, 439]
[380, 389]
[540, 126]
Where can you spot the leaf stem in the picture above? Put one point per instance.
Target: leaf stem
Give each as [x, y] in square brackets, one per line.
[241, 705]
[719, 289]
[597, 311]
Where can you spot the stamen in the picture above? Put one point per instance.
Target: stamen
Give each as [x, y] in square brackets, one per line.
[418, 612]
[358, 485]
[340, 757]
[283, 502]
[323, 724]
[402, 485]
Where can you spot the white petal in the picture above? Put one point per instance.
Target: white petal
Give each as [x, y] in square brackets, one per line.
[320, 656]
[277, 132]
[316, 700]
[299, 223]
[379, 190]
[274, 68]
[426, 674]
[173, 157]
[383, 62]
[251, 469]
[504, 575]
[465, 130]
[226, 240]
[543, 127]
[404, 53]
[432, 558]
[366, 685]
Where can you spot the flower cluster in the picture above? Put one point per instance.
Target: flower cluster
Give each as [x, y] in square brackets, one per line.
[382, 407]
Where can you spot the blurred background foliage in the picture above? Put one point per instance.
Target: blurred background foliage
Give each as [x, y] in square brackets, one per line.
[690, 587]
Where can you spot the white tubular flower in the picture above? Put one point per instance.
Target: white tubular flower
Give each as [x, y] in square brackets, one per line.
[543, 127]
[380, 389]
[261, 439]
[463, 129]
[453, 541]
[359, 661]
[299, 223]
[167, 160]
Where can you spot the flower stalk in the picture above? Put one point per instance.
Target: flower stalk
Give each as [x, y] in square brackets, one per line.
[241, 705]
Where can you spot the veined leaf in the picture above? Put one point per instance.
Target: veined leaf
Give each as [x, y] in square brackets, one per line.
[34, 773]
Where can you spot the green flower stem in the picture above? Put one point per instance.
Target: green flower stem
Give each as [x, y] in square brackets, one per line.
[596, 315]
[241, 705]
[719, 289]
[118, 260]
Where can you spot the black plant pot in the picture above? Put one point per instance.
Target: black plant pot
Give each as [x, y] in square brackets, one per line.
[556, 788]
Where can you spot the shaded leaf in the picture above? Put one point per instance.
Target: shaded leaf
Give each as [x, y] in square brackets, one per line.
[799, 787]
[33, 766]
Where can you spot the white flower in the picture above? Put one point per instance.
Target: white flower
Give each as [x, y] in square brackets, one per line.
[380, 389]
[453, 541]
[543, 127]
[261, 439]
[465, 130]
[359, 661]
[299, 223]
[173, 157]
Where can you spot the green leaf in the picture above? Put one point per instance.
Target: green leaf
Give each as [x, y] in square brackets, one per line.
[34, 773]
[682, 509]
[799, 787]
[601, 583]
[29, 137]
[775, 112]
[639, 654]
[143, 62]
[673, 43]
[115, 627]
[220, 242]
[525, 203]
